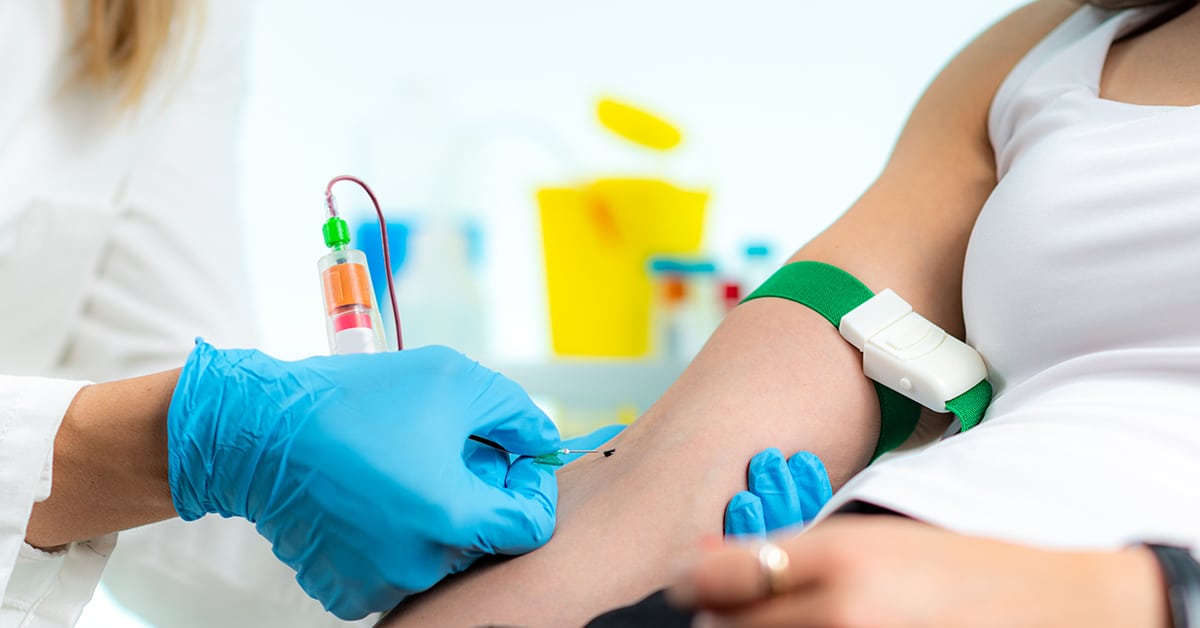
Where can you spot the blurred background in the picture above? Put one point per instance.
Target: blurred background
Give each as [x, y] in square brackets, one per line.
[479, 124]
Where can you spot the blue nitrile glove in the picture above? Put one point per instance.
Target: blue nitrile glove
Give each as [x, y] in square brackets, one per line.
[782, 493]
[352, 466]
[490, 464]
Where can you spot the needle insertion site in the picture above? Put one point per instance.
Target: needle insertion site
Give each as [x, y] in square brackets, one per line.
[549, 458]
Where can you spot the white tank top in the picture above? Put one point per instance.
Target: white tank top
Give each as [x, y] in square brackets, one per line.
[1082, 291]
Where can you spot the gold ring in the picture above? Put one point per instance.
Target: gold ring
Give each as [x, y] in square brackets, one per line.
[774, 563]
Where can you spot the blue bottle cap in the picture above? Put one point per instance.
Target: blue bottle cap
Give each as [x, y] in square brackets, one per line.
[758, 249]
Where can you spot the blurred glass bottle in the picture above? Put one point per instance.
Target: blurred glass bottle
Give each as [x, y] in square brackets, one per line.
[438, 290]
[689, 304]
[670, 295]
[757, 265]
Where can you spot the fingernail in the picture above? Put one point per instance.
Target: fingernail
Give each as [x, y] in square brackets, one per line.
[706, 620]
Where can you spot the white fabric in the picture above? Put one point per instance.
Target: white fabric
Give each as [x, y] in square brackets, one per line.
[49, 589]
[1080, 290]
[118, 246]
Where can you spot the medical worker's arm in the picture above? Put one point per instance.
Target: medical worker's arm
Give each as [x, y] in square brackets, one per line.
[110, 462]
[351, 466]
[890, 572]
[774, 374]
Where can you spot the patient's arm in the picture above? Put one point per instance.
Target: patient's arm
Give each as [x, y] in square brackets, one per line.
[774, 374]
[622, 520]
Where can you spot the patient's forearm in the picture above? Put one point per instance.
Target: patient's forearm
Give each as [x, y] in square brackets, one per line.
[774, 374]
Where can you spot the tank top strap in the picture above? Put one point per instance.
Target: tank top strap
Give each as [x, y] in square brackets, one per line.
[1003, 117]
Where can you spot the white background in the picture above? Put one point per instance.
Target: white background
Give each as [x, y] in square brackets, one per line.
[789, 109]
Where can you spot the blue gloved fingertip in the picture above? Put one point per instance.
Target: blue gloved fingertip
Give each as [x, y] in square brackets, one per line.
[744, 516]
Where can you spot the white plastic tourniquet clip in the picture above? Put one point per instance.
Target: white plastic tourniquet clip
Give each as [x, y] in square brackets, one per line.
[907, 353]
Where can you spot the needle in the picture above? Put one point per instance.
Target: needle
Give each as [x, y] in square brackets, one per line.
[606, 452]
[564, 451]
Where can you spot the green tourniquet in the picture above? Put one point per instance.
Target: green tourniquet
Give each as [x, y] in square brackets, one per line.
[970, 406]
[825, 289]
[832, 293]
[336, 232]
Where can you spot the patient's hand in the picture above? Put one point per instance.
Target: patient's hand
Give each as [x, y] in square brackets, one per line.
[773, 375]
[845, 573]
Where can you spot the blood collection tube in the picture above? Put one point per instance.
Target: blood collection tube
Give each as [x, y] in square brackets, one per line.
[352, 319]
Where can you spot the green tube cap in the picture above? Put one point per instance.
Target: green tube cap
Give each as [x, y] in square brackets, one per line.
[336, 232]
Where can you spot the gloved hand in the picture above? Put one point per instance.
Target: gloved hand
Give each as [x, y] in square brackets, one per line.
[352, 466]
[782, 493]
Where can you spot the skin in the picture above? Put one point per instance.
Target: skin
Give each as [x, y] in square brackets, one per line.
[773, 374]
[110, 463]
[843, 572]
[1156, 68]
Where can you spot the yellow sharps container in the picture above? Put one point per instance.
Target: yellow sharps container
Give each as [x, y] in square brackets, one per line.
[597, 239]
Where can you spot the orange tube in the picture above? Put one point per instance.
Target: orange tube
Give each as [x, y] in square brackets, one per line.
[346, 284]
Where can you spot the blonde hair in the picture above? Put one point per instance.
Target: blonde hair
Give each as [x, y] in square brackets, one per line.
[120, 43]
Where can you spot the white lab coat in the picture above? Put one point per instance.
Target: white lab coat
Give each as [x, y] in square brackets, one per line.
[119, 245]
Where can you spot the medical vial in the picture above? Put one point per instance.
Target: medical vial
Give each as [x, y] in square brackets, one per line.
[352, 320]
